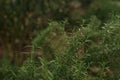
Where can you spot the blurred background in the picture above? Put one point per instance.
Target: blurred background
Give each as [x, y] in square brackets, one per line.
[22, 20]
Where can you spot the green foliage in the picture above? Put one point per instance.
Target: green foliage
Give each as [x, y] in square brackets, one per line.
[74, 49]
[91, 53]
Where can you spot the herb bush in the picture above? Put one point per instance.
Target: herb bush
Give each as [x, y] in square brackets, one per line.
[90, 54]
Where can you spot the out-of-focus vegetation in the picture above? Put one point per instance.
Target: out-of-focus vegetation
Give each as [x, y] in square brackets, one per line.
[59, 40]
